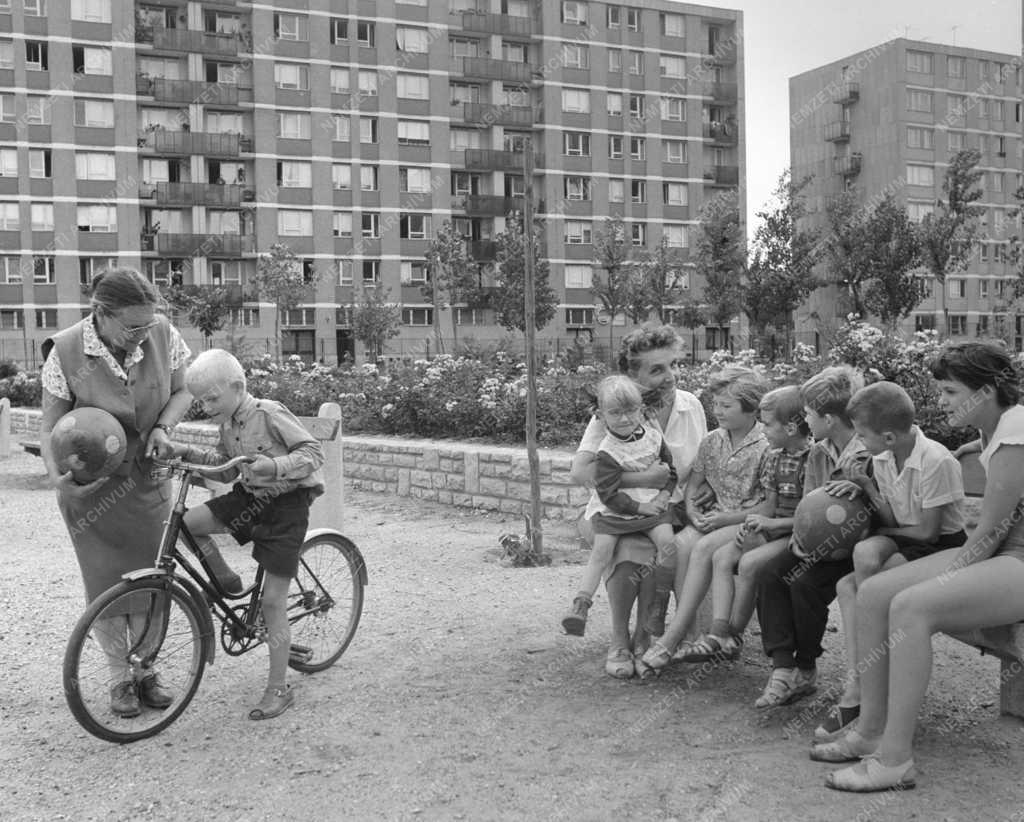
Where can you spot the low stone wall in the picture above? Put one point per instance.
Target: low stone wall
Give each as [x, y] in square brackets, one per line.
[470, 475]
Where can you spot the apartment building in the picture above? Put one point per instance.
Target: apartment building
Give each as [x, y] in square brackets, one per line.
[888, 120]
[184, 137]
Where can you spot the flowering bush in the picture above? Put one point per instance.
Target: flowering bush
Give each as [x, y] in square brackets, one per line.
[22, 389]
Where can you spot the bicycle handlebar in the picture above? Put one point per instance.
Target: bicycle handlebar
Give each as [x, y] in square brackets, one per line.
[181, 465]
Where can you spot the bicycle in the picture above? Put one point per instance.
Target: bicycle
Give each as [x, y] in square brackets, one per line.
[158, 620]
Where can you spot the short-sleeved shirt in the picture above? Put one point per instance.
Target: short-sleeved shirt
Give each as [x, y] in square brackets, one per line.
[683, 433]
[931, 478]
[734, 474]
[825, 462]
[782, 473]
[1009, 431]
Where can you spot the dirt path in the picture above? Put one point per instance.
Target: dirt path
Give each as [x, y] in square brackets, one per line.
[457, 700]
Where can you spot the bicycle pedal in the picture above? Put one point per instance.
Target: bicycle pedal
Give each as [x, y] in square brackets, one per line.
[300, 653]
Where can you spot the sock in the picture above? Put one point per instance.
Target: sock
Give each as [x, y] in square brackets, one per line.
[585, 597]
[783, 659]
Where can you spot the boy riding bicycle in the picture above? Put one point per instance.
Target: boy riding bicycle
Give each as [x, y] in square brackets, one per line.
[269, 503]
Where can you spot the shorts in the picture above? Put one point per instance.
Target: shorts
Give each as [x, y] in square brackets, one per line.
[275, 525]
[913, 549]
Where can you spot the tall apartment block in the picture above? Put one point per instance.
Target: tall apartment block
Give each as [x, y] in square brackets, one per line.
[184, 137]
[888, 120]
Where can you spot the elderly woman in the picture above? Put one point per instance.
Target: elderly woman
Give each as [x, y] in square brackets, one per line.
[129, 361]
[978, 585]
[650, 357]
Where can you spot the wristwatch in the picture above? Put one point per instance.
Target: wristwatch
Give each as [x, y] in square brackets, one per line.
[166, 428]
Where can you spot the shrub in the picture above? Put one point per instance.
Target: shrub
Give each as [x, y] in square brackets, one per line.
[23, 389]
[8, 368]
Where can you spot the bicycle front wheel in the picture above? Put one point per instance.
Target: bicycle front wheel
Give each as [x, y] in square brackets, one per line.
[127, 634]
[325, 601]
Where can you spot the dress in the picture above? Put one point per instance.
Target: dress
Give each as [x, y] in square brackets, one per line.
[1009, 431]
[117, 528]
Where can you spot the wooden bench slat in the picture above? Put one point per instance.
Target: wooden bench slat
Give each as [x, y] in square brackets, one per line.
[1004, 641]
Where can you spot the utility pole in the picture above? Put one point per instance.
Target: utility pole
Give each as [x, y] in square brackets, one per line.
[535, 533]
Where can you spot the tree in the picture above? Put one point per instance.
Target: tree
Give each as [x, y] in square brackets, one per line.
[721, 258]
[281, 280]
[846, 243]
[780, 276]
[510, 278]
[658, 284]
[450, 278]
[375, 320]
[894, 285]
[616, 286]
[207, 308]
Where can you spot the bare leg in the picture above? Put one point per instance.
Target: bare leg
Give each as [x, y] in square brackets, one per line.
[846, 595]
[201, 522]
[601, 552]
[748, 571]
[279, 632]
[723, 566]
[622, 593]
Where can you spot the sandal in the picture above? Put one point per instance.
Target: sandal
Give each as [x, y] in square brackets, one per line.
[871, 775]
[837, 724]
[850, 748]
[619, 663]
[657, 656]
[274, 703]
[710, 647]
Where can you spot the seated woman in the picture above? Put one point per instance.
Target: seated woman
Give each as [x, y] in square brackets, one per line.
[977, 585]
[650, 357]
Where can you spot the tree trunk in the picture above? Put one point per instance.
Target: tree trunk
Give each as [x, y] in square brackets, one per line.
[277, 333]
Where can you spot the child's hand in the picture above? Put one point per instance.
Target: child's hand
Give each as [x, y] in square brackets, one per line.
[842, 488]
[262, 468]
[648, 509]
[711, 522]
[857, 474]
[755, 522]
[747, 539]
[704, 497]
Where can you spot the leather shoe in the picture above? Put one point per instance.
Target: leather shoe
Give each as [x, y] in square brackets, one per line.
[153, 694]
[124, 700]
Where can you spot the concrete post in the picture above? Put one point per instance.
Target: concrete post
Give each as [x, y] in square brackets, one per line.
[5, 428]
[326, 511]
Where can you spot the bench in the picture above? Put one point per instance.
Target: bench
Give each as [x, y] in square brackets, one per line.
[32, 447]
[1003, 641]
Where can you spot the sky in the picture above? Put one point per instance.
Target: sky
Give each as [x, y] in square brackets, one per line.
[783, 38]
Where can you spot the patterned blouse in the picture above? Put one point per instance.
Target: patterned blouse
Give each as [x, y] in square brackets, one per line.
[733, 474]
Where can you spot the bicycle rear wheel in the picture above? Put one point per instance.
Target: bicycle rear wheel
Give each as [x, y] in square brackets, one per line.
[130, 631]
[325, 601]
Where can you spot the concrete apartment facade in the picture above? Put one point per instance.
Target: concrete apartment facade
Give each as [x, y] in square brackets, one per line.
[184, 137]
[889, 119]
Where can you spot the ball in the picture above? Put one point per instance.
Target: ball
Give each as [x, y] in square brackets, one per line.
[88, 442]
[827, 527]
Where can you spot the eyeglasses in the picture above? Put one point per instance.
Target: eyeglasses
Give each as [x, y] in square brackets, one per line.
[134, 331]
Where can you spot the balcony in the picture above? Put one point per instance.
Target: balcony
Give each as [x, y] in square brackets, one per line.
[723, 134]
[481, 22]
[189, 40]
[847, 166]
[722, 54]
[488, 205]
[722, 176]
[846, 93]
[195, 142]
[212, 194]
[199, 245]
[838, 132]
[480, 159]
[483, 68]
[482, 250]
[489, 114]
[186, 91]
[722, 92]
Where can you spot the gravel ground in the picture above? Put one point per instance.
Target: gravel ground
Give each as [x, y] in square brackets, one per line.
[458, 699]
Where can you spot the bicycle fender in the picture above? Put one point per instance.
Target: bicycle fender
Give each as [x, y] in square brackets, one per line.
[320, 532]
[191, 589]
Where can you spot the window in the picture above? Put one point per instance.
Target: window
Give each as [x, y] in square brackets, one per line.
[614, 61]
[958, 324]
[97, 218]
[223, 272]
[676, 235]
[996, 111]
[10, 219]
[919, 101]
[341, 176]
[8, 162]
[246, 317]
[676, 194]
[578, 232]
[342, 128]
[513, 52]
[10, 271]
[414, 179]
[342, 224]
[6, 54]
[982, 328]
[412, 40]
[918, 175]
[338, 29]
[293, 223]
[576, 144]
[366, 34]
[91, 11]
[417, 316]
[43, 270]
[574, 12]
[636, 62]
[919, 137]
[616, 191]
[340, 81]
[370, 225]
[673, 108]
[955, 67]
[293, 27]
[636, 106]
[956, 288]
[637, 148]
[460, 139]
[6, 108]
[673, 25]
[956, 105]
[614, 14]
[919, 62]
[368, 83]
[368, 178]
[577, 188]
[576, 100]
[675, 151]
[367, 129]
[413, 86]
[638, 191]
[638, 233]
[459, 47]
[579, 276]
[12, 318]
[413, 133]
[344, 272]
[918, 211]
[294, 174]
[575, 56]
[95, 166]
[957, 140]
[36, 56]
[42, 216]
[997, 182]
[39, 164]
[299, 316]
[463, 93]
[94, 113]
[414, 227]
[35, 8]
[614, 104]
[671, 66]
[579, 317]
[615, 150]
[633, 19]
[413, 272]
[291, 76]
[983, 289]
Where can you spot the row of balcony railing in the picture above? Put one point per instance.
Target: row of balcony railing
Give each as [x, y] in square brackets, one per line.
[163, 141]
[213, 194]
